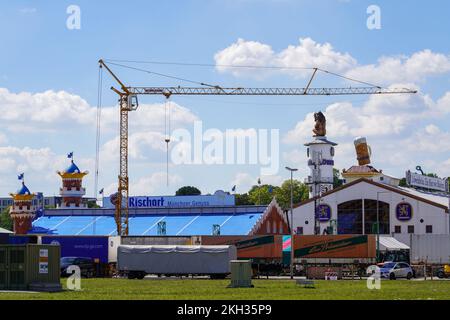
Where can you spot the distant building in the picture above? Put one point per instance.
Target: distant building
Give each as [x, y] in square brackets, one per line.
[353, 209]
[368, 172]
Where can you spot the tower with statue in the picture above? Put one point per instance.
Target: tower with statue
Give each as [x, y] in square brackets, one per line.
[72, 190]
[320, 152]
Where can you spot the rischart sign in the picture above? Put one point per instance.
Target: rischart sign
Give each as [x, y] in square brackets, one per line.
[176, 201]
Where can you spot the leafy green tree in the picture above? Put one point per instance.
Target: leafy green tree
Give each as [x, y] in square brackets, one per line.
[403, 182]
[5, 220]
[337, 181]
[93, 205]
[243, 200]
[188, 191]
[261, 195]
[300, 193]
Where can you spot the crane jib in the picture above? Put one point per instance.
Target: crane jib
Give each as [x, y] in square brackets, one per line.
[265, 91]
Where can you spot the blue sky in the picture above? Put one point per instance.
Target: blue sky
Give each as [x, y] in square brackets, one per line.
[48, 76]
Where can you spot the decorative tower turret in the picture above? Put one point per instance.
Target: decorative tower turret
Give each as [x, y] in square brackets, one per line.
[22, 211]
[72, 190]
[320, 159]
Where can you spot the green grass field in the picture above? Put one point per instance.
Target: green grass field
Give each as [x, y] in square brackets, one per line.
[123, 289]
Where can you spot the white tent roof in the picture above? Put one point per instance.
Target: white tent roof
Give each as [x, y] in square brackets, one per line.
[390, 243]
[5, 231]
[440, 198]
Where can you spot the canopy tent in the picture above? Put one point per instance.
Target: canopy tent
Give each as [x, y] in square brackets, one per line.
[391, 244]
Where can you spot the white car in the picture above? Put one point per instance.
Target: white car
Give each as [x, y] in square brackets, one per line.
[394, 270]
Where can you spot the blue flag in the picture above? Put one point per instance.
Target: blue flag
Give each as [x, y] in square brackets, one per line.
[101, 191]
[233, 189]
[70, 155]
[21, 176]
[270, 189]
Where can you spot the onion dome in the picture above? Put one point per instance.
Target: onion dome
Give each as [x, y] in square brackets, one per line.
[72, 171]
[23, 194]
[24, 190]
[73, 168]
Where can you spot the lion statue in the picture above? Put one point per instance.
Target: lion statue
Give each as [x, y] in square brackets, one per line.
[320, 129]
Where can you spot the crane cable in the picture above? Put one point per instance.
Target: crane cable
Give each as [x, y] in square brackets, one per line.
[161, 74]
[167, 133]
[118, 63]
[97, 139]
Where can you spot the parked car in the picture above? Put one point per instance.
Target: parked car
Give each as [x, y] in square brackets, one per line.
[86, 265]
[394, 270]
[444, 272]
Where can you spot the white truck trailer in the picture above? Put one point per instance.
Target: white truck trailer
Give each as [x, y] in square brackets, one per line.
[137, 261]
[432, 249]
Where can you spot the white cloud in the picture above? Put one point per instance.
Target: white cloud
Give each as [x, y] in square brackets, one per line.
[306, 54]
[3, 138]
[149, 116]
[51, 110]
[309, 53]
[151, 184]
[39, 166]
[443, 104]
[243, 181]
[312, 54]
[430, 139]
[414, 68]
[26, 158]
[295, 158]
[244, 53]
[44, 108]
[139, 144]
[443, 168]
[378, 116]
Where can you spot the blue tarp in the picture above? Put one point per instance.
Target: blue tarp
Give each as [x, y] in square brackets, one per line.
[176, 225]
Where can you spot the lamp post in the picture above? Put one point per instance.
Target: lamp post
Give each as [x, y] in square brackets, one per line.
[292, 170]
[259, 191]
[378, 223]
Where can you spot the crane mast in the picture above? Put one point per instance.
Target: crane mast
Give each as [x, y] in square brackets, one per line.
[128, 102]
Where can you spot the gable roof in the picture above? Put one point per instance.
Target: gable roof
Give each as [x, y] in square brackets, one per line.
[380, 185]
[266, 214]
[361, 169]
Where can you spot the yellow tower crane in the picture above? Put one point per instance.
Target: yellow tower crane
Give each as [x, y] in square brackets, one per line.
[128, 102]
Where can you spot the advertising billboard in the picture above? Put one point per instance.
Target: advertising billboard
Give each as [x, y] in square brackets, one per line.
[422, 181]
[217, 199]
[95, 247]
[335, 246]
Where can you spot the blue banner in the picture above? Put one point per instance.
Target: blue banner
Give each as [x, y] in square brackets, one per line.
[82, 247]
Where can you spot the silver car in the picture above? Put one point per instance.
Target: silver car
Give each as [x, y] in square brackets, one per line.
[394, 270]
